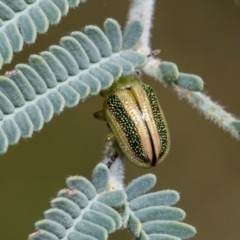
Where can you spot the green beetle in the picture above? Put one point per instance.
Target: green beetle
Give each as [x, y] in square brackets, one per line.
[136, 120]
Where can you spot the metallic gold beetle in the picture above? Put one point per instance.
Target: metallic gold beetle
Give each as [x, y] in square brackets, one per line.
[135, 117]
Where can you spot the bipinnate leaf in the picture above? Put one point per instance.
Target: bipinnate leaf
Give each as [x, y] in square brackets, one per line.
[83, 65]
[91, 210]
[22, 20]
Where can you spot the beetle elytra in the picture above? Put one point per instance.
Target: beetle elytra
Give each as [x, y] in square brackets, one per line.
[136, 120]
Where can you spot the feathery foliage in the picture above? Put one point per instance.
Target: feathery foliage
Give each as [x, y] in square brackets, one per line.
[84, 64]
[92, 210]
[22, 20]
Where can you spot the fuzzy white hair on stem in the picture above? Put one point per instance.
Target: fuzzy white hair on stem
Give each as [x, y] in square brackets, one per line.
[143, 10]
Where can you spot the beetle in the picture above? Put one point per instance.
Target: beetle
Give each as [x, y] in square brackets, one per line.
[136, 120]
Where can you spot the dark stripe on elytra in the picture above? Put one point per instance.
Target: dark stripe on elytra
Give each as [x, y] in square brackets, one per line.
[154, 157]
[157, 118]
[128, 126]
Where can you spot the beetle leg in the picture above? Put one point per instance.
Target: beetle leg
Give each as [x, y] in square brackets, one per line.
[138, 72]
[100, 115]
[110, 137]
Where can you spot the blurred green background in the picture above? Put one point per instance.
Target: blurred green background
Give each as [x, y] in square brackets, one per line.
[201, 37]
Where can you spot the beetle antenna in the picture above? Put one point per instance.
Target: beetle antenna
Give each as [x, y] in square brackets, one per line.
[154, 53]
